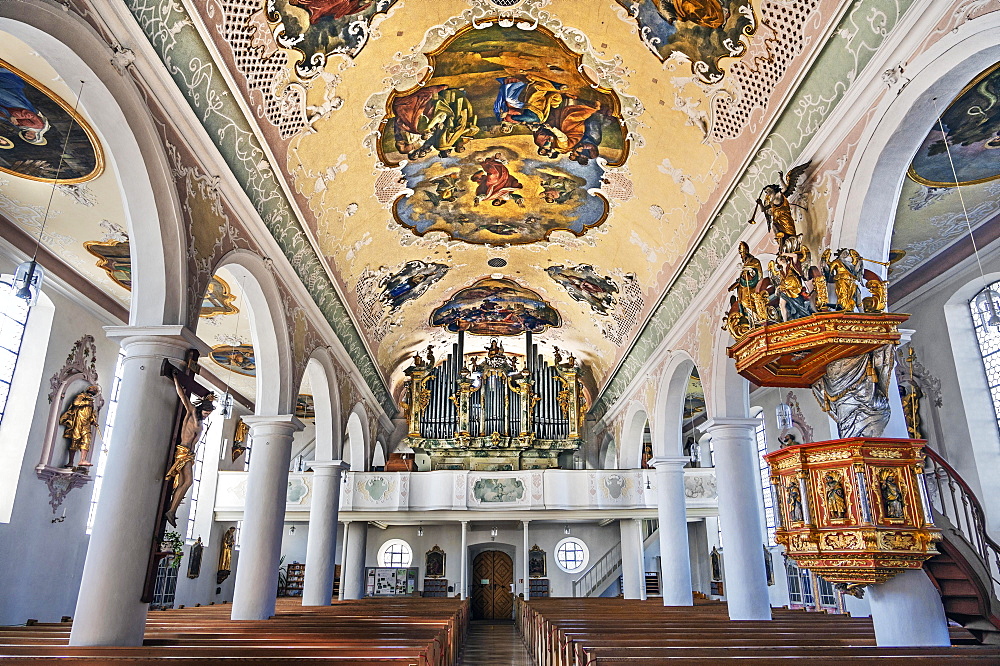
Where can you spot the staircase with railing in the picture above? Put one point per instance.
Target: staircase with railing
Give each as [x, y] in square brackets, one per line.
[967, 571]
[600, 574]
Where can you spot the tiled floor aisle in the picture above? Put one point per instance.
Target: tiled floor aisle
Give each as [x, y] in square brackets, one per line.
[489, 644]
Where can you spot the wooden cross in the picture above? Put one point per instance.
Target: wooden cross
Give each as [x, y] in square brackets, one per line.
[185, 376]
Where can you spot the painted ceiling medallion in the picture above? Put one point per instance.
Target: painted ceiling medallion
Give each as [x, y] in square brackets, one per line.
[705, 31]
[500, 142]
[320, 28]
[219, 299]
[239, 358]
[972, 128]
[113, 258]
[34, 123]
[496, 307]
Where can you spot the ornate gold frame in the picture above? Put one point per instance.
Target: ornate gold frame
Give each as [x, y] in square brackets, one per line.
[88, 130]
[104, 263]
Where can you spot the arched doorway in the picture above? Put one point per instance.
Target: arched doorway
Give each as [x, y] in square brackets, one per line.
[492, 578]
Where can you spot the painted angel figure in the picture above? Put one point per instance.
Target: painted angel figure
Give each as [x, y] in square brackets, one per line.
[773, 200]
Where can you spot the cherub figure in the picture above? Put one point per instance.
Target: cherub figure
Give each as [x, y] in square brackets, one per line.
[773, 200]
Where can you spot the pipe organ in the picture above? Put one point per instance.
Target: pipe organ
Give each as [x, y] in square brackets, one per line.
[486, 412]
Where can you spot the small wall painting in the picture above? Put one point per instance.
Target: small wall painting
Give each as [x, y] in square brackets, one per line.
[501, 139]
[496, 307]
[536, 562]
[498, 490]
[584, 284]
[34, 124]
[410, 282]
[705, 31]
[113, 257]
[238, 358]
[305, 408]
[971, 138]
[218, 299]
[321, 28]
[434, 561]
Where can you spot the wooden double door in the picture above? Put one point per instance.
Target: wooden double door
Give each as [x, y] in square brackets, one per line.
[492, 580]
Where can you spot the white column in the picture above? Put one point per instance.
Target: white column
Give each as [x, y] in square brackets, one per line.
[633, 582]
[343, 560]
[108, 609]
[671, 509]
[463, 580]
[907, 612]
[527, 594]
[352, 572]
[321, 549]
[738, 486]
[263, 515]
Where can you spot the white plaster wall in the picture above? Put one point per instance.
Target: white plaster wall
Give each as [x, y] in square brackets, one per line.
[41, 562]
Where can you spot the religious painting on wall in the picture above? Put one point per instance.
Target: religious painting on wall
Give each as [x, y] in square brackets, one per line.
[502, 138]
[238, 358]
[496, 307]
[536, 562]
[305, 408]
[410, 282]
[218, 299]
[703, 31]
[434, 561]
[971, 138]
[321, 28]
[34, 124]
[194, 559]
[113, 257]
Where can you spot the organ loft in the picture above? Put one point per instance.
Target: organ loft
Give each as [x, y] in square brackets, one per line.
[500, 331]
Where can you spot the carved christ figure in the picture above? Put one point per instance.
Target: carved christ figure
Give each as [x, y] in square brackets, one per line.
[192, 428]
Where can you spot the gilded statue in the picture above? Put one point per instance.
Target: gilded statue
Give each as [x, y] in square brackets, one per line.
[749, 307]
[790, 283]
[892, 494]
[794, 499]
[773, 200]
[844, 269]
[836, 500]
[192, 429]
[879, 300]
[226, 555]
[80, 421]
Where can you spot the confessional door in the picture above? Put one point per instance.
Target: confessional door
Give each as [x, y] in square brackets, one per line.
[492, 578]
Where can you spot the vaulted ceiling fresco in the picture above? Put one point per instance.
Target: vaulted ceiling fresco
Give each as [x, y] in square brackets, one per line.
[569, 149]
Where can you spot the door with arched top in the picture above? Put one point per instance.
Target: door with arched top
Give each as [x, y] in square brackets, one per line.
[492, 578]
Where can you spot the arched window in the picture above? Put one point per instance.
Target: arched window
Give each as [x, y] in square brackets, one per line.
[572, 555]
[765, 477]
[395, 553]
[985, 307]
[13, 318]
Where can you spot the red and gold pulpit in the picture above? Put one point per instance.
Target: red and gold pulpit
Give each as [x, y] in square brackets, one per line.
[854, 511]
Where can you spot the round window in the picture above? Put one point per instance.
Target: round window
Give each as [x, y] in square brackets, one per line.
[572, 555]
[395, 553]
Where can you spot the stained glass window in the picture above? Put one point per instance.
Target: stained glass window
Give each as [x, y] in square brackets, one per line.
[984, 318]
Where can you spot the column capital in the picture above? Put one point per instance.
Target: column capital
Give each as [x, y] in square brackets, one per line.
[177, 336]
[664, 464]
[724, 423]
[287, 422]
[524, 523]
[328, 467]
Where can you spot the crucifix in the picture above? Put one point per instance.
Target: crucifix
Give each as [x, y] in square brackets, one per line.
[188, 427]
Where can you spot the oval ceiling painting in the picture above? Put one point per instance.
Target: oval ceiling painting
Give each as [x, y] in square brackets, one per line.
[972, 132]
[502, 141]
[496, 307]
[34, 123]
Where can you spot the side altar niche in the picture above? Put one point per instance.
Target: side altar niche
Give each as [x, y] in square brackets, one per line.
[854, 510]
[487, 412]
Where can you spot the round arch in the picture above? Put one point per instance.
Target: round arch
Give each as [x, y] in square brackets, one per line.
[630, 447]
[134, 151]
[322, 377]
[356, 444]
[670, 406]
[269, 331]
[608, 453]
[727, 393]
[866, 210]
